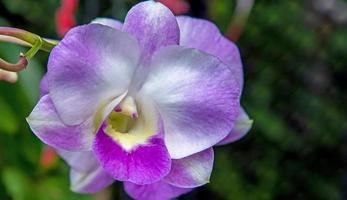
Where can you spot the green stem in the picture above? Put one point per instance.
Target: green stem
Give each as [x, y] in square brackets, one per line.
[34, 49]
[25, 38]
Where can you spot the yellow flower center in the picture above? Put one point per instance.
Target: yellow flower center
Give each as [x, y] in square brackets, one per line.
[130, 126]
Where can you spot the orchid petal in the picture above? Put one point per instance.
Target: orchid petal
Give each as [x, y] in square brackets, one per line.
[139, 156]
[242, 126]
[205, 36]
[91, 181]
[86, 175]
[46, 124]
[103, 21]
[44, 89]
[44, 121]
[93, 61]
[108, 22]
[156, 191]
[153, 25]
[191, 171]
[196, 94]
[79, 160]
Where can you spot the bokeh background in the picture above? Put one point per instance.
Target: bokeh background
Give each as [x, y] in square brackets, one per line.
[295, 63]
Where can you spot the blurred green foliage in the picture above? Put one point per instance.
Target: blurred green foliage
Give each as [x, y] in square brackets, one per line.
[295, 90]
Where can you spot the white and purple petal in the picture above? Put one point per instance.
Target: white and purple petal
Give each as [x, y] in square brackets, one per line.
[197, 96]
[153, 25]
[91, 181]
[242, 126]
[192, 171]
[108, 22]
[156, 191]
[139, 155]
[44, 86]
[44, 121]
[79, 160]
[145, 164]
[86, 175]
[205, 36]
[89, 68]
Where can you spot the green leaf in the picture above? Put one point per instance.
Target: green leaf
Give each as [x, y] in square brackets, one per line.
[8, 120]
[16, 183]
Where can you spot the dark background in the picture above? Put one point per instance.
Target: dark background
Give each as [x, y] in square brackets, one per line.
[294, 54]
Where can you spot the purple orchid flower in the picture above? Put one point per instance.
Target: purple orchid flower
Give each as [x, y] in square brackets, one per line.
[142, 102]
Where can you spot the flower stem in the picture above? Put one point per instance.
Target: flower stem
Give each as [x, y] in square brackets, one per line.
[239, 20]
[25, 38]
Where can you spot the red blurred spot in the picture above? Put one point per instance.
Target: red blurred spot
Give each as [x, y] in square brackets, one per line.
[177, 7]
[65, 16]
[48, 157]
[70, 5]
